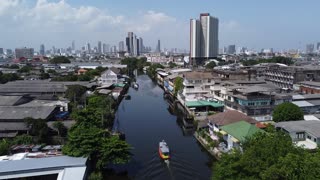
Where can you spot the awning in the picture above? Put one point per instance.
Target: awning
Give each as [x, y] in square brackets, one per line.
[223, 132]
[234, 140]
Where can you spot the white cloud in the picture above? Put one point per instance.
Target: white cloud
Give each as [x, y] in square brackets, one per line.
[50, 22]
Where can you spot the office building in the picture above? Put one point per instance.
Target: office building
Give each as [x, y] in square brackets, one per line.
[1, 51]
[141, 46]
[204, 42]
[132, 44]
[99, 47]
[121, 46]
[24, 52]
[231, 49]
[309, 48]
[9, 51]
[42, 50]
[88, 48]
[318, 46]
[158, 48]
[73, 45]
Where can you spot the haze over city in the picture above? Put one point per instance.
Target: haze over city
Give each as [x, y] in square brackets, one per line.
[277, 24]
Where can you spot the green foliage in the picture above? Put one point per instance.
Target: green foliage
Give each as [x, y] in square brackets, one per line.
[95, 176]
[4, 147]
[134, 63]
[83, 141]
[152, 70]
[172, 64]
[282, 60]
[75, 92]
[51, 71]
[38, 128]
[23, 139]
[59, 126]
[84, 77]
[89, 138]
[113, 150]
[268, 156]
[14, 66]
[25, 69]
[287, 112]
[60, 60]
[44, 76]
[211, 65]
[4, 78]
[178, 85]
[70, 77]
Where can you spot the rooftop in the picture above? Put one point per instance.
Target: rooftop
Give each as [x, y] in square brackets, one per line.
[19, 112]
[229, 117]
[311, 127]
[241, 130]
[203, 103]
[310, 83]
[195, 75]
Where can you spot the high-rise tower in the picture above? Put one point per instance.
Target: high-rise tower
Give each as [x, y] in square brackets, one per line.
[204, 38]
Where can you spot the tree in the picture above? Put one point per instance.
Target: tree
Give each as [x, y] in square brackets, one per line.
[83, 141]
[260, 152]
[60, 60]
[59, 126]
[211, 65]
[4, 147]
[114, 151]
[152, 70]
[75, 92]
[14, 66]
[44, 76]
[287, 112]
[25, 69]
[172, 64]
[38, 128]
[178, 85]
[23, 139]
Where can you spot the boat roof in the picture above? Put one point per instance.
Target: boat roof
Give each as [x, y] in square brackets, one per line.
[163, 147]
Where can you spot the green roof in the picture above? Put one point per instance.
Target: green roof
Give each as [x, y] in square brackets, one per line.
[241, 130]
[203, 103]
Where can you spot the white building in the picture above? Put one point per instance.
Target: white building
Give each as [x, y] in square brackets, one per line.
[108, 78]
[204, 42]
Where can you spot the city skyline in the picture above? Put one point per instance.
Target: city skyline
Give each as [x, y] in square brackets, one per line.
[57, 23]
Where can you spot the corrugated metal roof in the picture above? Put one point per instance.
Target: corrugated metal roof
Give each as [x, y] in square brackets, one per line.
[302, 103]
[19, 112]
[40, 164]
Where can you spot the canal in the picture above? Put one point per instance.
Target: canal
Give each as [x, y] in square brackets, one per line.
[146, 119]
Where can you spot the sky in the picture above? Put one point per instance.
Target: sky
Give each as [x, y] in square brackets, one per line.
[280, 24]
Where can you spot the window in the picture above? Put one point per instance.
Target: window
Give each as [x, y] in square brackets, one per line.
[251, 104]
[264, 103]
[309, 137]
[209, 80]
[314, 139]
[197, 81]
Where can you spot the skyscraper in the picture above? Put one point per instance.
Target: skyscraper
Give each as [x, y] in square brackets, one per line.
[121, 46]
[318, 46]
[1, 51]
[158, 48]
[132, 44]
[309, 48]
[73, 45]
[99, 47]
[204, 42]
[88, 48]
[141, 46]
[231, 49]
[42, 50]
[24, 52]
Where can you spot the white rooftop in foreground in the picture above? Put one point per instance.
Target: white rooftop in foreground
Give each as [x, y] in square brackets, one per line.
[64, 167]
[307, 144]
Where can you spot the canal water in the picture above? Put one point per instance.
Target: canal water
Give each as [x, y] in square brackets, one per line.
[146, 120]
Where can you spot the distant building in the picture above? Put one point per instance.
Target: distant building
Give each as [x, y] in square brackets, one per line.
[1, 51]
[231, 49]
[158, 48]
[309, 48]
[318, 46]
[42, 50]
[88, 48]
[73, 45]
[141, 46]
[24, 52]
[204, 42]
[121, 46]
[132, 44]
[99, 47]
